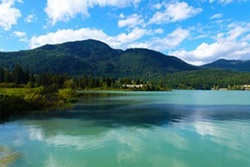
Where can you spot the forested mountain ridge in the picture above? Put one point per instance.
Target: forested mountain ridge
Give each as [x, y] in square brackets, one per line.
[234, 65]
[94, 58]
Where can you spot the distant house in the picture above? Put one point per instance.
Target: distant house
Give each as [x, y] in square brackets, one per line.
[223, 89]
[246, 87]
[133, 86]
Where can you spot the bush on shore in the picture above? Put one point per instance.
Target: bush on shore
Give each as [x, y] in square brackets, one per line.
[16, 102]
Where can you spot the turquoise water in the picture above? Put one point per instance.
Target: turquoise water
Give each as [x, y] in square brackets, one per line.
[112, 129]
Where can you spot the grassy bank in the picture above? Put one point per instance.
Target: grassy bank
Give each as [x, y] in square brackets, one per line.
[16, 102]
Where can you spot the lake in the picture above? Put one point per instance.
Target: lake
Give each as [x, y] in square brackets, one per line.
[119, 129]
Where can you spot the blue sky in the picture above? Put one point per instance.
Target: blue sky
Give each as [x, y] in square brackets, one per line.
[198, 31]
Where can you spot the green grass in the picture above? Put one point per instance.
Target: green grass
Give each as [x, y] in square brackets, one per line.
[16, 102]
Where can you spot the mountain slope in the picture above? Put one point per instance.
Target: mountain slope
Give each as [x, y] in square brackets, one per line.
[235, 65]
[94, 58]
[150, 62]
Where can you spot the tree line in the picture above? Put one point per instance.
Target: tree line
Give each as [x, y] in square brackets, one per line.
[18, 77]
[208, 79]
[199, 79]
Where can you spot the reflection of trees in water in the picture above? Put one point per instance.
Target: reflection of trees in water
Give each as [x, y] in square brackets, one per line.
[140, 114]
[99, 111]
[161, 113]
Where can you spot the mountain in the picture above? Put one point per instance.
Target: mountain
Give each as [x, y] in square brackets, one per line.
[234, 65]
[94, 58]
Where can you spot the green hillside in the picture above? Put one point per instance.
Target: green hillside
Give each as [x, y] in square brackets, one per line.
[93, 58]
[234, 65]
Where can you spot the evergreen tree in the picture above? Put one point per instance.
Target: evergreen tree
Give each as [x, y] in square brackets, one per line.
[17, 74]
[2, 73]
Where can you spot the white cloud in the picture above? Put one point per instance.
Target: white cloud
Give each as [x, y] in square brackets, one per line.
[216, 16]
[206, 53]
[63, 10]
[158, 6]
[115, 3]
[246, 37]
[170, 41]
[174, 11]
[8, 14]
[121, 16]
[134, 35]
[21, 35]
[121, 41]
[30, 18]
[177, 36]
[66, 35]
[147, 45]
[131, 21]
[159, 31]
[222, 1]
[230, 44]
[235, 33]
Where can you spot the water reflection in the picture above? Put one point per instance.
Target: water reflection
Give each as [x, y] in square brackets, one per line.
[147, 114]
[227, 133]
[182, 143]
[123, 146]
[133, 130]
[147, 109]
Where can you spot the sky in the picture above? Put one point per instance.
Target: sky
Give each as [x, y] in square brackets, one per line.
[196, 31]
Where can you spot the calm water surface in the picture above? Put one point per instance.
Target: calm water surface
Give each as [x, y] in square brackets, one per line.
[113, 129]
